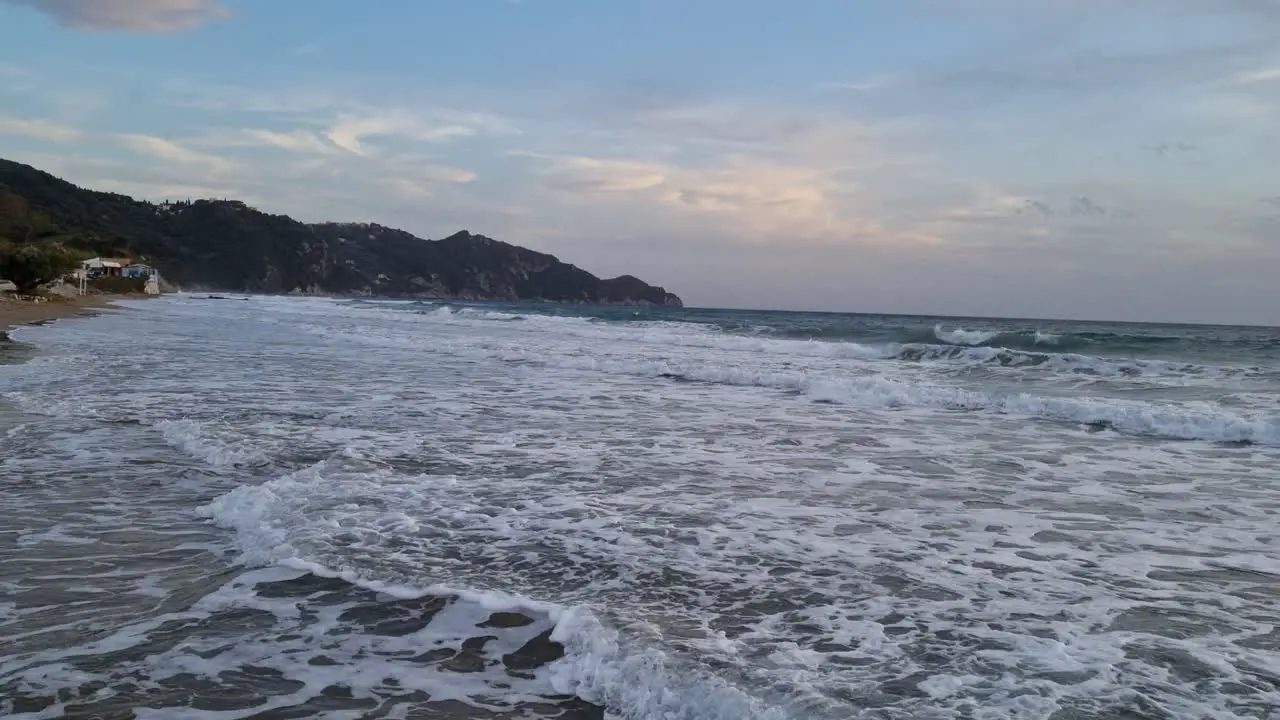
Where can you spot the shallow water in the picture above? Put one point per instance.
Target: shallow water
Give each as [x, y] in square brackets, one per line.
[285, 507]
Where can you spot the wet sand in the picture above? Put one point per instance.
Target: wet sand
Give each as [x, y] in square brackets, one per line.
[25, 312]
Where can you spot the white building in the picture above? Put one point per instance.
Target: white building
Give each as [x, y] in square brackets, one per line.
[101, 267]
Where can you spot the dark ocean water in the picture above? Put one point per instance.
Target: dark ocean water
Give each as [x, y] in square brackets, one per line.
[1229, 343]
[290, 507]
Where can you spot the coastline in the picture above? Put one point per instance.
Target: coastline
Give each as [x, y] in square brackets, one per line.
[16, 313]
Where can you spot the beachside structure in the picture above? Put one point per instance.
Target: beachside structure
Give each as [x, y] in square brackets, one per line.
[106, 267]
[138, 270]
[102, 267]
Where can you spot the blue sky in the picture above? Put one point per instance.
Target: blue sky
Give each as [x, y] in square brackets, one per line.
[1069, 158]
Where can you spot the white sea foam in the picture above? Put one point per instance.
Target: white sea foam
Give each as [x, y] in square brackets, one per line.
[960, 336]
[195, 438]
[670, 503]
[1185, 421]
[301, 513]
[961, 349]
[596, 667]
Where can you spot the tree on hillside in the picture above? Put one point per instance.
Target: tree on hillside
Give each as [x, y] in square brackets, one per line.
[18, 222]
[32, 249]
[30, 265]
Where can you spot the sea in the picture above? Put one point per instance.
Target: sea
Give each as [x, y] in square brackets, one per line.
[283, 507]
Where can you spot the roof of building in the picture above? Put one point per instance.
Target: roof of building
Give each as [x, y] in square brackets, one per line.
[100, 262]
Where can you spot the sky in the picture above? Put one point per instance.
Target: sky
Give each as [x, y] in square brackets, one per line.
[1092, 159]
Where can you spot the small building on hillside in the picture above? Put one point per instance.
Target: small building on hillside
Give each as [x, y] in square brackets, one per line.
[102, 267]
[137, 270]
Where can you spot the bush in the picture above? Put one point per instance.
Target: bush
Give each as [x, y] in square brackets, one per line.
[30, 265]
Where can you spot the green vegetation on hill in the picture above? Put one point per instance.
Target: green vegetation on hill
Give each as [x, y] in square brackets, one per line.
[227, 245]
[33, 249]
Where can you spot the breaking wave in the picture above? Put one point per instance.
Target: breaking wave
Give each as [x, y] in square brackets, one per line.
[1165, 420]
[1059, 362]
[580, 654]
[1079, 348]
[950, 349]
[961, 336]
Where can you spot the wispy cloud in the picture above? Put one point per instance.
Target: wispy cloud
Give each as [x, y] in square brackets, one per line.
[39, 130]
[1262, 75]
[165, 149]
[755, 199]
[864, 85]
[1165, 149]
[149, 145]
[128, 15]
[304, 49]
[300, 141]
[350, 133]
[590, 176]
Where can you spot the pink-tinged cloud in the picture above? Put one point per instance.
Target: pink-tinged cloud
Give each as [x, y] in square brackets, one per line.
[155, 16]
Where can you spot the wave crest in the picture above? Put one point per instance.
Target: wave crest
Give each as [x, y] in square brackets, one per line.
[276, 526]
[1165, 420]
[960, 336]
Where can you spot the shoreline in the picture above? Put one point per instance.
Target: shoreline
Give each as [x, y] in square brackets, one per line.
[17, 313]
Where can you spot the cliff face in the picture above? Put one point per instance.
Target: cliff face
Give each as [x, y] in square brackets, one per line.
[226, 245]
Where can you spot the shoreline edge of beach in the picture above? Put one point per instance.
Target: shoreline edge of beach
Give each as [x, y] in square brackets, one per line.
[14, 314]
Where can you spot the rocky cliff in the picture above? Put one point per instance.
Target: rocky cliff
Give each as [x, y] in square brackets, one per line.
[227, 245]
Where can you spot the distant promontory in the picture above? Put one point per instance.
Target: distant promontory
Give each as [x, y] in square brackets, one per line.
[227, 245]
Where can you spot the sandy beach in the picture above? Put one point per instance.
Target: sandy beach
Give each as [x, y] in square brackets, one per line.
[22, 312]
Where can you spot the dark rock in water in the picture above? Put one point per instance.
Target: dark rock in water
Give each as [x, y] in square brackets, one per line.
[830, 646]
[301, 586]
[903, 687]
[471, 658]
[477, 644]
[31, 704]
[334, 699]
[506, 620]
[433, 656]
[535, 653]
[466, 662]
[225, 245]
[399, 618]
[336, 691]
[570, 708]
